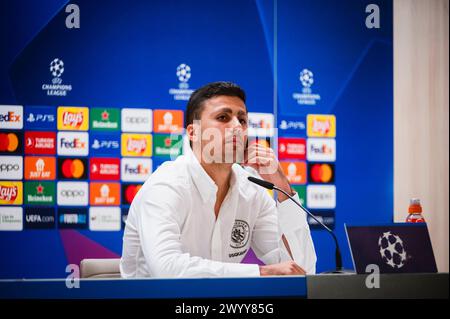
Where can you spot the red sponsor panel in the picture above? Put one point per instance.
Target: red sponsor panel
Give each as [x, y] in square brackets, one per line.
[292, 148]
[104, 169]
[40, 143]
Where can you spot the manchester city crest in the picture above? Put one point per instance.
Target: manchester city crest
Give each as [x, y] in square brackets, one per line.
[240, 234]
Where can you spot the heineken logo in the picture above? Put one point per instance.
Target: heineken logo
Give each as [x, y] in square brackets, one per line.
[40, 193]
[105, 119]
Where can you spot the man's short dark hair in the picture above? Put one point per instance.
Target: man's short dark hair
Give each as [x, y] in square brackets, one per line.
[195, 105]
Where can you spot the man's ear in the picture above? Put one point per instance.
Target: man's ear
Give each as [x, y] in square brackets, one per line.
[192, 131]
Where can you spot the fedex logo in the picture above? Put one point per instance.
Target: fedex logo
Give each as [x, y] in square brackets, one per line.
[73, 143]
[11, 117]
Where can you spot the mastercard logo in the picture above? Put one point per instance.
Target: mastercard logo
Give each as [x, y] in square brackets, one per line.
[130, 191]
[321, 173]
[73, 168]
[9, 142]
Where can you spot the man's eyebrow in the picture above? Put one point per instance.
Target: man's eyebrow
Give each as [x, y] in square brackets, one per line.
[228, 110]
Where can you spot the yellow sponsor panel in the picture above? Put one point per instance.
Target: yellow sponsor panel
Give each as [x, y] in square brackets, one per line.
[321, 125]
[136, 145]
[73, 118]
[10, 193]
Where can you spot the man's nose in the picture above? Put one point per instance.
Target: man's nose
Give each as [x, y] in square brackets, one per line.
[236, 124]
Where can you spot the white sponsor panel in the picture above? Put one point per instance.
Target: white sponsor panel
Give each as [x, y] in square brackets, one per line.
[72, 193]
[11, 218]
[11, 167]
[136, 169]
[321, 149]
[321, 196]
[73, 143]
[104, 218]
[11, 117]
[137, 120]
[260, 124]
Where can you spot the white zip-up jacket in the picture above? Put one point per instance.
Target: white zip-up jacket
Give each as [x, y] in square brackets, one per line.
[171, 229]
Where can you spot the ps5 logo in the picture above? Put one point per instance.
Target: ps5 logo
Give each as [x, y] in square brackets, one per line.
[98, 144]
[40, 118]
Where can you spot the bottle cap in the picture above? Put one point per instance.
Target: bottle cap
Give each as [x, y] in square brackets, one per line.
[414, 206]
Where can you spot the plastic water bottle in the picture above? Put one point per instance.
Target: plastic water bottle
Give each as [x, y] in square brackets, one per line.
[415, 212]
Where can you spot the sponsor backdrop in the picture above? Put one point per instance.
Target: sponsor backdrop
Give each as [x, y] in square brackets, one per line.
[87, 114]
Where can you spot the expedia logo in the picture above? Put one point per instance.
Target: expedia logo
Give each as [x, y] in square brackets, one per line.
[240, 234]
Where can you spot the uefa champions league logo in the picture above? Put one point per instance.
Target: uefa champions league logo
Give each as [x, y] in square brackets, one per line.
[183, 73]
[392, 250]
[307, 78]
[182, 93]
[57, 67]
[306, 96]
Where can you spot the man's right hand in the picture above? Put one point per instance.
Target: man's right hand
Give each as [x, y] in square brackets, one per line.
[288, 268]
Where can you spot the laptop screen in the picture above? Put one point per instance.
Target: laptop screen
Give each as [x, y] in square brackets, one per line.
[395, 248]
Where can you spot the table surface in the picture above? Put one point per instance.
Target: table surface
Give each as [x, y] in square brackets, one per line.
[316, 286]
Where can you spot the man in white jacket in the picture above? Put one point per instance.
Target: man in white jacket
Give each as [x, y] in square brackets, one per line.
[198, 216]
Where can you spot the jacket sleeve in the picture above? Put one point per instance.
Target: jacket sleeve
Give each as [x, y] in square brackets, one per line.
[288, 219]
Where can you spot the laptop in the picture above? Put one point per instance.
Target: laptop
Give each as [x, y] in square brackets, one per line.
[395, 248]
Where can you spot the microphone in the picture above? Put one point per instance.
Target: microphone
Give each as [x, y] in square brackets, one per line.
[338, 256]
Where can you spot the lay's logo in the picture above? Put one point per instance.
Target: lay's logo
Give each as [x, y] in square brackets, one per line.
[10, 193]
[136, 145]
[321, 125]
[73, 118]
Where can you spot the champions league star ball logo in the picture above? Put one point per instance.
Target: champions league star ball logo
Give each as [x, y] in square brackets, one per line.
[307, 78]
[306, 96]
[183, 73]
[391, 250]
[56, 88]
[57, 67]
[183, 92]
